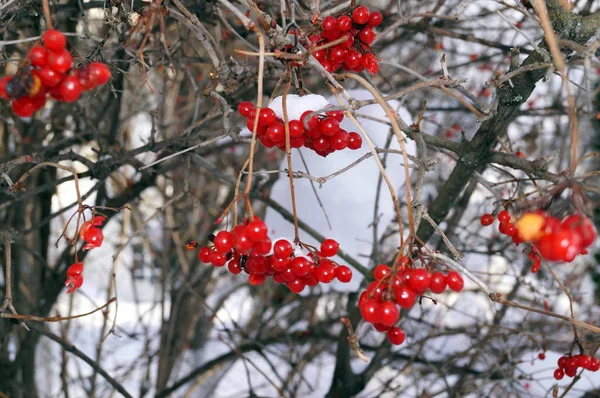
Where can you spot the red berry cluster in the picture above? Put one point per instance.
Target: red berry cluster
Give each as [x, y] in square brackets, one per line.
[379, 303]
[506, 227]
[354, 54]
[324, 135]
[248, 248]
[49, 71]
[91, 233]
[568, 365]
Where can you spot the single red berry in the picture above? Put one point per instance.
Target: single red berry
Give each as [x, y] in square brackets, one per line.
[380, 327]
[99, 73]
[337, 115]
[301, 266]
[339, 140]
[244, 108]
[487, 219]
[387, 313]
[595, 365]
[361, 15]
[395, 335]
[343, 274]
[49, 77]
[375, 19]
[234, 266]
[241, 241]
[283, 248]
[562, 362]
[75, 269]
[266, 116]
[381, 271]
[542, 356]
[93, 238]
[583, 226]
[367, 35]
[54, 40]
[24, 106]
[38, 56]
[329, 247]
[405, 296]
[309, 123]
[296, 285]
[73, 282]
[296, 129]
[329, 126]
[223, 241]
[344, 23]
[329, 24]
[455, 281]
[325, 272]
[60, 61]
[354, 141]
[353, 59]
[559, 374]
[504, 216]
[70, 89]
[438, 282]
[217, 259]
[276, 132]
[419, 280]
[257, 230]
[369, 311]
[256, 279]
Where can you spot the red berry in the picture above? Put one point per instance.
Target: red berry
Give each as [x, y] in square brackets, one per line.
[99, 73]
[387, 313]
[343, 274]
[223, 241]
[204, 255]
[419, 280]
[405, 296]
[329, 247]
[559, 374]
[487, 219]
[325, 272]
[257, 230]
[60, 61]
[241, 241]
[311, 122]
[337, 115]
[75, 269]
[296, 285]
[337, 54]
[375, 19]
[369, 311]
[395, 335]
[361, 15]
[217, 259]
[256, 279]
[329, 126]
[329, 24]
[234, 266]
[354, 141]
[244, 108]
[455, 281]
[54, 40]
[380, 327]
[504, 216]
[282, 249]
[344, 23]
[266, 116]
[73, 282]
[296, 129]
[594, 365]
[381, 271]
[276, 132]
[339, 140]
[565, 245]
[70, 89]
[93, 238]
[583, 226]
[38, 56]
[25, 106]
[367, 35]
[49, 77]
[542, 356]
[301, 266]
[438, 282]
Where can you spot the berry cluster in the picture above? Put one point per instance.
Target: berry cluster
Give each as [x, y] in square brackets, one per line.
[91, 233]
[379, 303]
[353, 54]
[324, 135]
[49, 71]
[506, 227]
[568, 365]
[557, 240]
[248, 248]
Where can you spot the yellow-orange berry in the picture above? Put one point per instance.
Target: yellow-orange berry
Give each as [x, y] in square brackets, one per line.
[531, 227]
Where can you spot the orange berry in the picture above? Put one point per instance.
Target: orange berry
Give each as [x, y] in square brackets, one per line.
[531, 226]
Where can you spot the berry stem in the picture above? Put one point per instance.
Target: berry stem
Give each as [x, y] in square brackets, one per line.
[47, 14]
[288, 154]
[567, 293]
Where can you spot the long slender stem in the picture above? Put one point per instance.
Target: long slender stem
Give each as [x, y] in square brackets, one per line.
[288, 155]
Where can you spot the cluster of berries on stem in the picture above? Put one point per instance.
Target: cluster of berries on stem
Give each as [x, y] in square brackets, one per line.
[247, 247]
[354, 53]
[399, 287]
[48, 70]
[568, 365]
[323, 135]
[91, 233]
[551, 238]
